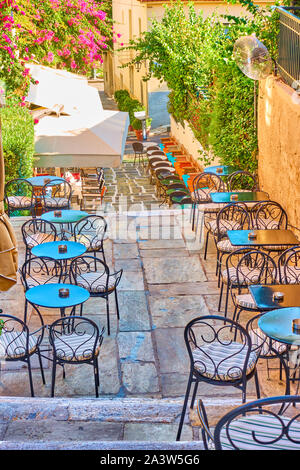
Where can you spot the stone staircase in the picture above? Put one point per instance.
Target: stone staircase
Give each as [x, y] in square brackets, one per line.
[92, 424]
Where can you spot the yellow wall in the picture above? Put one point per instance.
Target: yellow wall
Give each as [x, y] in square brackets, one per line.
[279, 145]
[131, 17]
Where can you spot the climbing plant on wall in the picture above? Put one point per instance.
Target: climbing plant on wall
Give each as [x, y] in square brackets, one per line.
[193, 56]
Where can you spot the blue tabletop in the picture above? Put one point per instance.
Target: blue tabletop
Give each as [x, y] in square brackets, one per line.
[263, 237]
[263, 296]
[50, 249]
[226, 170]
[67, 216]
[277, 324]
[40, 180]
[47, 296]
[242, 196]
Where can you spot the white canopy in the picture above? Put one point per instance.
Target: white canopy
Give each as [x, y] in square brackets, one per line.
[85, 135]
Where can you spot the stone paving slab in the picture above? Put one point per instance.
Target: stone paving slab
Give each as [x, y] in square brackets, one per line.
[134, 308]
[173, 270]
[177, 311]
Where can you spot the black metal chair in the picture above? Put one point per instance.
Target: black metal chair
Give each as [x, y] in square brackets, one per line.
[242, 181]
[19, 196]
[35, 232]
[75, 340]
[221, 354]
[38, 271]
[203, 185]
[91, 231]
[233, 216]
[94, 275]
[18, 344]
[264, 424]
[56, 195]
[288, 266]
[139, 152]
[269, 215]
[243, 268]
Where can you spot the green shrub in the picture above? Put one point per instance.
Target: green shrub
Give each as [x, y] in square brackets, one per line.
[18, 142]
[130, 105]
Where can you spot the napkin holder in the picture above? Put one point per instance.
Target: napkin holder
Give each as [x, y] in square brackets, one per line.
[219, 170]
[234, 197]
[252, 236]
[62, 248]
[47, 180]
[278, 297]
[57, 213]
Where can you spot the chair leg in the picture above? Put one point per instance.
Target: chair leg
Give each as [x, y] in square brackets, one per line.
[206, 244]
[221, 295]
[226, 300]
[107, 316]
[41, 367]
[96, 378]
[53, 378]
[117, 304]
[257, 385]
[194, 394]
[30, 377]
[186, 398]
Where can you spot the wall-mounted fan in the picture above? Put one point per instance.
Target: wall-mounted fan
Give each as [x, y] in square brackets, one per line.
[253, 59]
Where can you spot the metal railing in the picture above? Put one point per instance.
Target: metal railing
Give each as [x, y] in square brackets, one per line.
[289, 45]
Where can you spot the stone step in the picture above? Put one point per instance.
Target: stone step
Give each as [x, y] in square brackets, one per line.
[101, 445]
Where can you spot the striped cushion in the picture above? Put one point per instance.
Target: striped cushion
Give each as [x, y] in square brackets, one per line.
[95, 282]
[224, 225]
[258, 337]
[246, 301]
[19, 202]
[223, 361]
[246, 275]
[291, 275]
[13, 344]
[56, 202]
[37, 279]
[91, 242]
[226, 246]
[38, 238]
[202, 194]
[266, 428]
[75, 347]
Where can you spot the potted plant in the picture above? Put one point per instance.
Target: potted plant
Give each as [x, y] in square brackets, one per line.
[138, 128]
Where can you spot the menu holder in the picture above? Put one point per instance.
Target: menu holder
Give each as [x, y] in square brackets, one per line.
[234, 197]
[296, 326]
[47, 180]
[219, 170]
[278, 296]
[57, 213]
[64, 293]
[62, 248]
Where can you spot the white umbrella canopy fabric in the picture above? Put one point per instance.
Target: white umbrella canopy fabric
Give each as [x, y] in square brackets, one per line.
[85, 135]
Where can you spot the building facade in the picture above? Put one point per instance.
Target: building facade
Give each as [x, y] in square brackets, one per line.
[132, 17]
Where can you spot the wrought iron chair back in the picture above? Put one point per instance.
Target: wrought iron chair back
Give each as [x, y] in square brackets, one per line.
[255, 267]
[39, 271]
[90, 231]
[37, 231]
[206, 183]
[242, 180]
[289, 266]
[258, 425]
[82, 267]
[57, 194]
[19, 195]
[269, 215]
[233, 216]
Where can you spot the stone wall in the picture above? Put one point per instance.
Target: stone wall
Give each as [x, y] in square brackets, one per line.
[279, 145]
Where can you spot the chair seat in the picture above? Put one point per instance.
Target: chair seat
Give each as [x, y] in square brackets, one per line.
[20, 202]
[13, 344]
[258, 337]
[75, 347]
[246, 275]
[224, 225]
[223, 362]
[55, 202]
[92, 243]
[225, 246]
[245, 301]
[267, 428]
[40, 279]
[202, 194]
[96, 282]
[38, 238]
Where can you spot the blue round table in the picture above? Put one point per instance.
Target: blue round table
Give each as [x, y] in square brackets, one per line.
[40, 181]
[277, 325]
[68, 217]
[226, 170]
[50, 249]
[47, 296]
